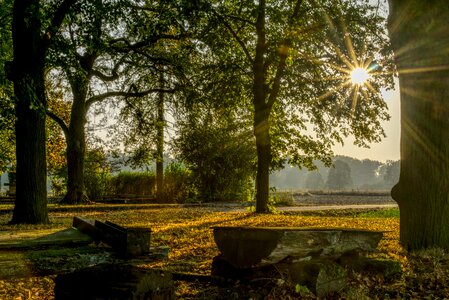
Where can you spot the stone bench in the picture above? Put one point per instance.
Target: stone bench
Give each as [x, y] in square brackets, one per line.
[315, 257]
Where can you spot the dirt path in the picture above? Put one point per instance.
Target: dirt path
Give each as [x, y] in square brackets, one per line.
[239, 208]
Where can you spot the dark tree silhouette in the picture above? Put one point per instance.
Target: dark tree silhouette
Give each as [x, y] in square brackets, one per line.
[420, 38]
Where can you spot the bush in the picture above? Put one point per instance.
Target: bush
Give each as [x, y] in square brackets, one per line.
[96, 184]
[133, 184]
[221, 154]
[97, 173]
[178, 185]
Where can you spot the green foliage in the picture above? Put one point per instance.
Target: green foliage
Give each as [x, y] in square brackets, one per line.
[178, 185]
[392, 170]
[281, 198]
[133, 184]
[301, 289]
[7, 118]
[96, 174]
[322, 45]
[219, 150]
[339, 176]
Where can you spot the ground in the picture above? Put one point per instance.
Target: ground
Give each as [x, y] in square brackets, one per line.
[186, 230]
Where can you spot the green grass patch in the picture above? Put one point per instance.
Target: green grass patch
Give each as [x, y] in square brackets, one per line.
[381, 213]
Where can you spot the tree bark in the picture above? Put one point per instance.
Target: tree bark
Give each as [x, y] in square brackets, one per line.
[28, 77]
[263, 146]
[420, 39]
[160, 143]
[76, 143]
[261, 115]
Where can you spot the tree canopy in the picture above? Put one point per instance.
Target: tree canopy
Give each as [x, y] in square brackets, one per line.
[289, 63]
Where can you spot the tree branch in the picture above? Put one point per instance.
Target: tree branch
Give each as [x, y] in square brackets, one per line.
[114, 73]
[147, 42]
[235, 35]
[240, 19]
[56, 22]
[283, 53]
[101, 97]
[59, 121]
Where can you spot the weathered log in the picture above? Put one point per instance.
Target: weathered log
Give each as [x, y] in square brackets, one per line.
[86, 226]
[127, 241]
[110, 281]
[245, 247]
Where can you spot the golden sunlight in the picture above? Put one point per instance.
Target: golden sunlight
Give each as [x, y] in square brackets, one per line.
[359, 76]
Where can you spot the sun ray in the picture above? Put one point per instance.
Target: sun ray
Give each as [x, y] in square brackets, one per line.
[348, 42]
[330, 92]
[355, 96]
[335, 48]
[370, 87]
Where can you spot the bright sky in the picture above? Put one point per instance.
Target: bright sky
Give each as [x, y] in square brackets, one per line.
[388, 149]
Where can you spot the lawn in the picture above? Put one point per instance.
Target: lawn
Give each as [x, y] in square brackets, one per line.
[187, 232]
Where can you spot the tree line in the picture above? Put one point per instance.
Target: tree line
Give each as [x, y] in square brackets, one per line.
[346, 173]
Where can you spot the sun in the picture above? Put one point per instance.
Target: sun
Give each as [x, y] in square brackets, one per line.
[359, 76]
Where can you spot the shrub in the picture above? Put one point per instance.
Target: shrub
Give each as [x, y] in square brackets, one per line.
[133, 184]
[97, 173]
[178, 185]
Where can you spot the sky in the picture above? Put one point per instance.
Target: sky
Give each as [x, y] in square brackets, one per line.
[388, 148]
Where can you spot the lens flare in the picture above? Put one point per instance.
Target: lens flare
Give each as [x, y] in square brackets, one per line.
[359, 76]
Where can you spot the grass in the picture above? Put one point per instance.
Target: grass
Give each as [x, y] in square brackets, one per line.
[381, 213]
[187, 232]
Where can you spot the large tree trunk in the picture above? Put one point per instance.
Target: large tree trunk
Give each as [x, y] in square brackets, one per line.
[76, 144]
[261, 115]
[420, 38]
[263, 145]
[28, 77]
[160, 143]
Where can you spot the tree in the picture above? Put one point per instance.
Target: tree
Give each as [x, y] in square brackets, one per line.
[101, 63]
[7, 136]
[392, 170]
[31, 40]
[218, 148]
[339, 177]
[293, 60]
[314, 181]
[420, 36]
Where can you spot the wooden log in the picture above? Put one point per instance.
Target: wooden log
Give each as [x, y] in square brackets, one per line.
[245, 247]
[86, 226]
[110, 281]
[127, 241]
